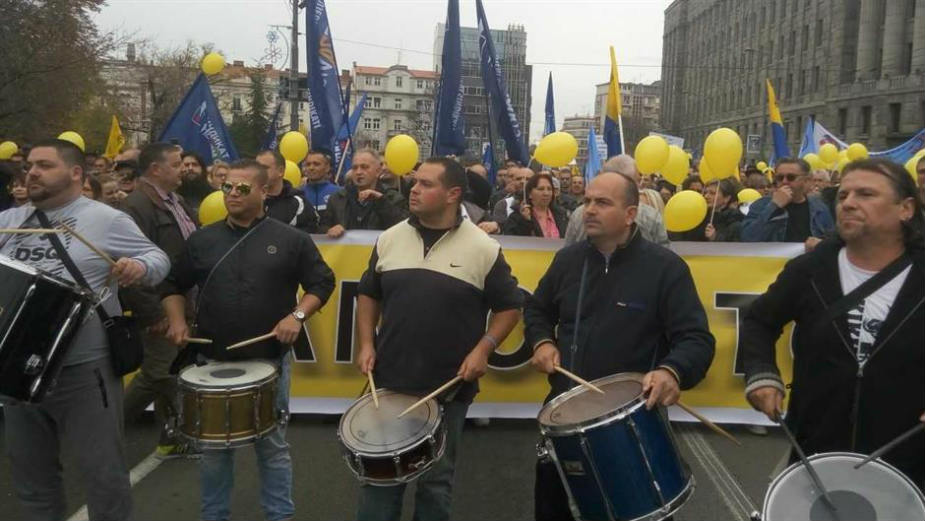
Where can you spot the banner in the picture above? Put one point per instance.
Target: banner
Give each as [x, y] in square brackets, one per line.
[728, 277]
[449, 138]
[815, 135]
[197, 125]
[326, 105]
[595, 161]
[271, 139]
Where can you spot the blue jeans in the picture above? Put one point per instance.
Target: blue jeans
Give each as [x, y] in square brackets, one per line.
[435, 487]
[216, 468]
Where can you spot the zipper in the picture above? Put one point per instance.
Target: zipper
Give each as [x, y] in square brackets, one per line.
[434, 245]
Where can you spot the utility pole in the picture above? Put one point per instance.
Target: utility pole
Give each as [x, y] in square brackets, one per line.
[294, 68]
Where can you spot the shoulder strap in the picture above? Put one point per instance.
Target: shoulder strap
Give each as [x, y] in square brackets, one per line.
[68, 261]
[869, 286]
[222, 259]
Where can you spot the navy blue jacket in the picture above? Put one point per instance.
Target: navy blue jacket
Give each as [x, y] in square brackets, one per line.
[764, 222]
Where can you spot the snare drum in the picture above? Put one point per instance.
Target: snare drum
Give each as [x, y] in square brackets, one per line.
[227, 404]
[876, 491]
[39, 316]
[382, 449]
[616, 459]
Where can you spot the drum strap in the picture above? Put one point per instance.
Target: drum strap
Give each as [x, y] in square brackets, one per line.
[871, 285]
[581, 296]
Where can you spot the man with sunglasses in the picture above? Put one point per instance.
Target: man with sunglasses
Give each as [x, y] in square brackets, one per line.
[248, 269]
[788, 215]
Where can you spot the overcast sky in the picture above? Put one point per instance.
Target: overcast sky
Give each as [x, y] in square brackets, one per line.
[570, 38]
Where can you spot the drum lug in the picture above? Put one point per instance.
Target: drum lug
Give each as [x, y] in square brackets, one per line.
[361, 470]
[198, 415]
[228, 418]
[542, 451]
[255, 405]
[432, 443]
[755, 516]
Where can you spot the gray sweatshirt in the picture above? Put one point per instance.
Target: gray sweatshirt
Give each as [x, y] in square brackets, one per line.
[109, 230]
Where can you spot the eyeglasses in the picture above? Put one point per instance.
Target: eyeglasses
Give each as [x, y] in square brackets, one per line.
[242, 188]
[787, 177]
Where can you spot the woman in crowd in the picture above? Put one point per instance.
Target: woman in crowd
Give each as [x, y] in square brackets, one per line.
[538, 215]
[727, 219]
[217, 174]
[92, 188]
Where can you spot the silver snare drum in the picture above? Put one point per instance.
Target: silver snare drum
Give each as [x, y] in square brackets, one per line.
[874, 492]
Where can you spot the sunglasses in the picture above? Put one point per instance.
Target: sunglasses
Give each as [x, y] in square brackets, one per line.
[242, 188]
[787, 177]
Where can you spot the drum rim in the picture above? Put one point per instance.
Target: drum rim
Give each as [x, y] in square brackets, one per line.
[213, 389]
[615, 415]
[46, 276]
[821, 455]
[368, 396]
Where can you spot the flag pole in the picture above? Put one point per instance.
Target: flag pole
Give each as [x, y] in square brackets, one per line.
[620, 123]
[346, 102]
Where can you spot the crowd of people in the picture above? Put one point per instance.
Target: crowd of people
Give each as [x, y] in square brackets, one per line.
[215, 281]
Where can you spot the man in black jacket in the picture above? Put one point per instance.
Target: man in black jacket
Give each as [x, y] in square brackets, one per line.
[858, 359]
[256, 266]
[284, 202]
[165, 219]
[640, 313]
[364, 204]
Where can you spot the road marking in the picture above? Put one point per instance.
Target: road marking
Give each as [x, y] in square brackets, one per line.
[736, 500]
[137, 474]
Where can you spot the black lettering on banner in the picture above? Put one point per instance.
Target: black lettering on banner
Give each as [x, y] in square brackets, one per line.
[739, 303]
[346, 321]
[303, 350]
[514, 359]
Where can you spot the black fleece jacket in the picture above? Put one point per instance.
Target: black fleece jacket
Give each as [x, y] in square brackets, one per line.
[640, 311]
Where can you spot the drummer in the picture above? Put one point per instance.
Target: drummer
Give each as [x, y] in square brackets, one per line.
[858, 374]
[248, 269]
[640, 313]
[433, 277]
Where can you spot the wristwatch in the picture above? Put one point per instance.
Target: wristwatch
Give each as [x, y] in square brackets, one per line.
[299, 315]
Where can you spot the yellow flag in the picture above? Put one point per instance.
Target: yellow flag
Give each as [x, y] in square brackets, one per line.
[116, 139]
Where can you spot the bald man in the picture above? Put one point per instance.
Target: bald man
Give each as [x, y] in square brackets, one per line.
[642, 303]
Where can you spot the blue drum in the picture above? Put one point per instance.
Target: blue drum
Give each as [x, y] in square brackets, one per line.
[617, 460]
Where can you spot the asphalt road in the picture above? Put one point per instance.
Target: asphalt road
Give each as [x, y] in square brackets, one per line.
[494, 479]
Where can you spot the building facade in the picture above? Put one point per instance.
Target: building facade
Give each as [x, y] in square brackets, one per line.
[855, 66]
[579, 127]
[641, 104]
[511, 46]
[399, 100]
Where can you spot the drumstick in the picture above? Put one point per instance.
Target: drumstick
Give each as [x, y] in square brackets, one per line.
[194, 340]
[886, 448]
[809, 468]
[439, 390]
[89, 244]
[372, 388]
[30, 230]
[250, 341]
[579, 380]
[703, 419]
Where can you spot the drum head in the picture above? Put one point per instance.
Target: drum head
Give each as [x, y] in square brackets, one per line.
[580, 405]
[874, 492]
[227, 374]
[365, 429]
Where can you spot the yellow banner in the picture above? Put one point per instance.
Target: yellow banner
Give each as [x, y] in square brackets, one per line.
[728, 276]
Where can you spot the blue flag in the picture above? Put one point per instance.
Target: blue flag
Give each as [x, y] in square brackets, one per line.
[593, 166]
[449, 138]
[346, 132]
[326, 104]
[808, 144]
[197, 125]
[488, 161]
[493, 77]
[550, 109]
[271, 140]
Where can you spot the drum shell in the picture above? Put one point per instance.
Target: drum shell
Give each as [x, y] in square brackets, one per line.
[218, 418]
[605, 464]
[39, 316]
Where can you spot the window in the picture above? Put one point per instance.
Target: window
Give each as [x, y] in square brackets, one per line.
[819, 32]
[377, 103]
[895, 112]
[420, 84]
[805, 42]
[842, 121]
[799, 123]
[793, 43]
[236, 104]
[375, 124]
[865, 120]
[817, 72]
[367, 80]
[398, 81]
[374, 144]
[397, 103]
[396, 125]
[780, 47]
[367, 124]
[802, 82]
[789, 85]
[377, 81]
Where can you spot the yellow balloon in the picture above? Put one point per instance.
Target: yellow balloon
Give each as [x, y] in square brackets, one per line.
[75, 138]
[814, 161]
[677, 166]
[684, 211]
[748, 195]
[293, 174]
[723, 150]
[293, 146]
[651, 154]
[401, 154]
[212, 63]
[761, 166]
[828, 153]
[706, 173]
[857, 151]
[7, 149]
[842, 163]
[556, 149]
[212, 209]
